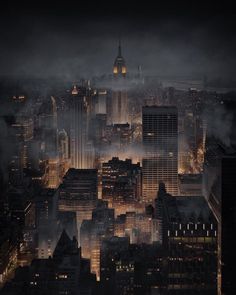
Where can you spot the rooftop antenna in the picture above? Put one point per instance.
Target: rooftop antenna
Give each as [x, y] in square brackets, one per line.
[119, 47]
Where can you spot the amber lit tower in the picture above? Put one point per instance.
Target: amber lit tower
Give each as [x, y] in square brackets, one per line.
[119, 103]
[119, 68]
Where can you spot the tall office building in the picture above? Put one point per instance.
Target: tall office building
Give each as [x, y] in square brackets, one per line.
[63, 150]
[119, 100]
[94, 231]
[78, 128]
[54, 171]
[188, 233]
[119, 68]
[101, 102]
[219, 190]
[46, 222]
[22, 137]
[160, 142]
[228, 223]
[191, 141]
[121, 184]
[47, 122]
[78, 193]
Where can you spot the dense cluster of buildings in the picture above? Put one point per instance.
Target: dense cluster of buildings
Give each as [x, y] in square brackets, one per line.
[117, 186]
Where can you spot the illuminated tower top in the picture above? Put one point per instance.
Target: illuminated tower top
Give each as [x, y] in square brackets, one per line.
[74, 90]
[119, 68]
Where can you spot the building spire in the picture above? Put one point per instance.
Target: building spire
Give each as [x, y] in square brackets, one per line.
[119, 48]
[119, 67]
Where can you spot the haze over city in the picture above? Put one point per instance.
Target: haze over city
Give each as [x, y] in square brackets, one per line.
[117, 148]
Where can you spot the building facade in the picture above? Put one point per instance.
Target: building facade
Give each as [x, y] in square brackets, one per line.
[160, 144]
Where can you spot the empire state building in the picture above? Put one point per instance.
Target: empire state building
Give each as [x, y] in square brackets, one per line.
[119, 68]
[119, 104]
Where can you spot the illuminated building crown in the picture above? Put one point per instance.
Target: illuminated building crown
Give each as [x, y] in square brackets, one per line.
[74, 90]
[119, 67]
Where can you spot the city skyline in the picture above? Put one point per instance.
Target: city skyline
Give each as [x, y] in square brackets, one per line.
[70, 41]
[117, 148]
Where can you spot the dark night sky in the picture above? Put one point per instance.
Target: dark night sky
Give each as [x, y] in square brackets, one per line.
[70, 39]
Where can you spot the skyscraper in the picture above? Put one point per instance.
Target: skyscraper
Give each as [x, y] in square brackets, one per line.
[119, 68]
[47, 120]
[78, 193]
[78, 128]
[188, 232]
[101, 102]
[228, 223]
[160, 142]
[121, 184]
[23, 133]
[219, 190]
[119, 103]
[63, 149]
